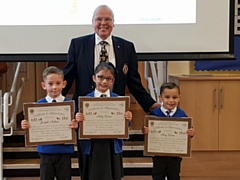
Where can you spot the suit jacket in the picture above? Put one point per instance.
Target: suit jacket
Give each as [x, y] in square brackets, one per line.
[80, 67]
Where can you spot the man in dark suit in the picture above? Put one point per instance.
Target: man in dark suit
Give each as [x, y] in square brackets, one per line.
[83, 56]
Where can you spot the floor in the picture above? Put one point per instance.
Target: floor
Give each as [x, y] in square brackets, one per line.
[133, 178]
[77, 178]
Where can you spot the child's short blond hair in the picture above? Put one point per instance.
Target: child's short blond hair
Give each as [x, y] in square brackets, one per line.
[52, 70]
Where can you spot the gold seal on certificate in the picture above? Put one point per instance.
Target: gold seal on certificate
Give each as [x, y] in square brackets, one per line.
[49, 123]
[104, 117]
[167, 136]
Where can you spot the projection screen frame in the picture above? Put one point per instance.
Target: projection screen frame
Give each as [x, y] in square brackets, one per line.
[172, 56]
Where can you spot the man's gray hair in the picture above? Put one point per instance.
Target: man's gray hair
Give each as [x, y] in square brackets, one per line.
[100, 7]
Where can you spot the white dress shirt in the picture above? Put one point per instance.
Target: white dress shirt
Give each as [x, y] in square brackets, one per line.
[58, 99]
[109, 48]
[165, 110]
[98, 93]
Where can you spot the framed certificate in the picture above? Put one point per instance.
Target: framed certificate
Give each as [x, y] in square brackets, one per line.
[104, 117]
[167, 136]
[49, 123]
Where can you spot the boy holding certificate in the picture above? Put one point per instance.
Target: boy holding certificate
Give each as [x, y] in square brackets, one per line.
[166, 166]
[103, 157]
[55, 160]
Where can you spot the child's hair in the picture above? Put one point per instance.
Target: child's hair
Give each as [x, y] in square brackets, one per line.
[106, 66]
[52, 70]
[169, 85]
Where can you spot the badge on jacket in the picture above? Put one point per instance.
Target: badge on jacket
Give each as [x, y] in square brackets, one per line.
[125, 69]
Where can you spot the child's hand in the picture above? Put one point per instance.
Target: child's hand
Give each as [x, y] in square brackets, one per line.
[190, 132]
[73, 124]
[79, 117]
[128, 115]
[145, 129]
[25, 124]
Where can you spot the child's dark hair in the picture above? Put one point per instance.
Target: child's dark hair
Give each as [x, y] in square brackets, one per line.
[52, 70]
[106, 66]
[169, 85]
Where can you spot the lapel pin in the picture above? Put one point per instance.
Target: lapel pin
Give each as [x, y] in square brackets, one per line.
[125, 69]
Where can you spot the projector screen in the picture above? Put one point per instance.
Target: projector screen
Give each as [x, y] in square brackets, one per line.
[41, 30]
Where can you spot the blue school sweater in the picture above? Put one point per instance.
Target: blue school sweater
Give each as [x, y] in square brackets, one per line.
[55, 148]
[118, 143]
[158, 112]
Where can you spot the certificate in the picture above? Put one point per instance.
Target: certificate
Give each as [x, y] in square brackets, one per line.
[49, 123]
[167, 136]
[104, 117]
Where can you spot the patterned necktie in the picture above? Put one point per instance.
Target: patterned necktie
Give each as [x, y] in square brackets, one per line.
[103, 53]
[54, 100]
[103, 95]
[168, 113]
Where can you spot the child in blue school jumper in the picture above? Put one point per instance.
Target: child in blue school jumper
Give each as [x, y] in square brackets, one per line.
[55, 160]
[103, 157]
[166, 166]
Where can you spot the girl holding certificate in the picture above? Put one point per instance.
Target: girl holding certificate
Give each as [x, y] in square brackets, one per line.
[168, 166]
[103, 157]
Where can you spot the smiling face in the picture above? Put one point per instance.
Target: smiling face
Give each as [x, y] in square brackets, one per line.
[170, 98]
[103, 22]
[53, 84]
[104, 80]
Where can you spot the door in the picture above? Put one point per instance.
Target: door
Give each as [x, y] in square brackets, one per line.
[229, 115]
[199, 99]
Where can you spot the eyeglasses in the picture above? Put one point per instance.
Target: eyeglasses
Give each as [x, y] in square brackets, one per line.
[108, 79]
[107, 20]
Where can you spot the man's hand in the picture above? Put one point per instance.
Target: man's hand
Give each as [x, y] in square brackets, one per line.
[154, 106]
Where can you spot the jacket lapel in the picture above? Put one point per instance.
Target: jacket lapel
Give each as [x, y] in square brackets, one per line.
[90, 51]
[117, 46]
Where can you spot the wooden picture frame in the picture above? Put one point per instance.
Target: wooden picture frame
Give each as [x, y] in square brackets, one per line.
[104, 117]
[167, 136]
[49, 123]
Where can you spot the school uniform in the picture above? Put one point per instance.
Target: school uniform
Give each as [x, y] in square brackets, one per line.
[166, 166]
[55, 160]
[102, 157]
